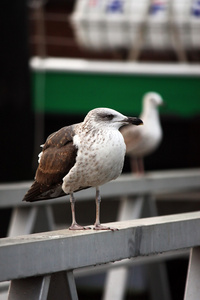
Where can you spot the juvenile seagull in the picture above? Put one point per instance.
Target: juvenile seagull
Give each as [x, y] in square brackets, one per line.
[141, 141]
[80, 156]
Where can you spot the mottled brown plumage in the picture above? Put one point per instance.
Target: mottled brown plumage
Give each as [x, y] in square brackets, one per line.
[58, 157]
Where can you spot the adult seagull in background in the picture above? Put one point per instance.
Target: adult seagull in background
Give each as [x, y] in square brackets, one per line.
[142, 141]
[80, 156]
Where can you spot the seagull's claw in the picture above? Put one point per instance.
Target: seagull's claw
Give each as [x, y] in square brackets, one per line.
[102, 227]
[76, 226]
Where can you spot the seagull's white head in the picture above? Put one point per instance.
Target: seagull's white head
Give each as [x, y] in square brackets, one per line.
[152, 99]
[109, 118]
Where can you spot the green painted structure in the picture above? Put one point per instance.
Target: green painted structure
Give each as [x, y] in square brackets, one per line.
[76, 92]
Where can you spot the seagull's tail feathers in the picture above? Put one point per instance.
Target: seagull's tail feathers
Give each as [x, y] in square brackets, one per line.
[33, 193]
[39, 192]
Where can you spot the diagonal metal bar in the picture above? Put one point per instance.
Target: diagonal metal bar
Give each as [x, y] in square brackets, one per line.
[34, 288]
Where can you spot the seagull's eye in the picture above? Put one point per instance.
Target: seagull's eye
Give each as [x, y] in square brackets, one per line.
[110, 117]
[106, 117]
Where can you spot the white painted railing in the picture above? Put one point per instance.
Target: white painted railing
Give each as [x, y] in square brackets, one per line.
[134, 194]
[41, 265]
[11, 194]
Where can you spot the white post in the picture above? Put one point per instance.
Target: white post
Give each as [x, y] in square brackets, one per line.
[117, 278]
[192, 290]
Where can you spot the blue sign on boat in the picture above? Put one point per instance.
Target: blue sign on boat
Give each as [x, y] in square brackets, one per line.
[196, 8]
[115, 6]
[157, 6]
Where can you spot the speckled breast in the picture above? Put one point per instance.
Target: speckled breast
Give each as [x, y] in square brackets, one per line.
[99, 159]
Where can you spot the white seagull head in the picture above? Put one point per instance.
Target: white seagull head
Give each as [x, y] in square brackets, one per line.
[109, 118]
[152, 99]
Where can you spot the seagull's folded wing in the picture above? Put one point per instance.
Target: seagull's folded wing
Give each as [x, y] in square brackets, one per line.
[58, 157]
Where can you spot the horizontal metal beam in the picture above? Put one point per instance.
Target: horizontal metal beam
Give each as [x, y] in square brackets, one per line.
[152, 182]
[85, 66]
[129, 263]
[45, 253]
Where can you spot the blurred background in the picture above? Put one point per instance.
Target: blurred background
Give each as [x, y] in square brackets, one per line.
[144, 46]
[61, 58]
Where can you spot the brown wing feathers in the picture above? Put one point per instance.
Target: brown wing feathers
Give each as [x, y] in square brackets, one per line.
[58, 157]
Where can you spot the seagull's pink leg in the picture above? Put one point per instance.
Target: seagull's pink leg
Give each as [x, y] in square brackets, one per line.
[134, 165]
[75, 225]
[97, 224]
[137, 165]
[141, 165]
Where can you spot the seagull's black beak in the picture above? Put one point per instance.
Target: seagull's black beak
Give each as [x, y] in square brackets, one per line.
[134, 121]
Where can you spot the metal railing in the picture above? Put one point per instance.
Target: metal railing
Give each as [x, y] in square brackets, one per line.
[35, 262]
[134, 194]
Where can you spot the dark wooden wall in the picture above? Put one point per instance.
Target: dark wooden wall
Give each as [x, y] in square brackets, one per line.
[16, 120]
